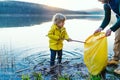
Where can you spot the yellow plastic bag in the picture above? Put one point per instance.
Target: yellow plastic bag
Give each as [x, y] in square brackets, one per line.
[96, 53]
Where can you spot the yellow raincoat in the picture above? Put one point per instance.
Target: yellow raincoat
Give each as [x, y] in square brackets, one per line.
[56, 36]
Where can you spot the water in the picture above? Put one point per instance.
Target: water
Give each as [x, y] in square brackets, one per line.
[25, 44]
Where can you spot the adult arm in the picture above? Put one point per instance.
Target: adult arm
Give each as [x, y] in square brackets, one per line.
[116, 25]
[107, 17]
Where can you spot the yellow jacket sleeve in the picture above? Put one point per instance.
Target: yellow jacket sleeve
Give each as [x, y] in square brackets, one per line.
[66, 35]
[52, 36]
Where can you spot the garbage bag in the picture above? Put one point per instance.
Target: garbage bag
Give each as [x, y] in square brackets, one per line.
[96, 53]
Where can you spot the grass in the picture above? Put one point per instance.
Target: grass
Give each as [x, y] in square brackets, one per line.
[37, 76]
[64, 77]
[25, 77]
[95, 77]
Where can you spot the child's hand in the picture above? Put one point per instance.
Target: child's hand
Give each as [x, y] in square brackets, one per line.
[61, 39]
[69, 40]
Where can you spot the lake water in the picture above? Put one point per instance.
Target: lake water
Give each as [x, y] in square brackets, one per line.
[25, 46]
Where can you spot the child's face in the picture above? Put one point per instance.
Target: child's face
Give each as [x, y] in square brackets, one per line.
[104, 1]
[60, 24]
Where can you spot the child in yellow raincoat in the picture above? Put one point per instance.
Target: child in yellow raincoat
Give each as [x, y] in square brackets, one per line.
[57, 34]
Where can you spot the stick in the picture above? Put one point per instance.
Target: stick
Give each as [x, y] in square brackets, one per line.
[78, 41]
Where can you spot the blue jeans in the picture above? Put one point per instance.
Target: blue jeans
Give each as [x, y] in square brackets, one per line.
[53, 56]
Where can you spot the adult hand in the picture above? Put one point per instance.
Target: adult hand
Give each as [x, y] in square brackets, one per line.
[108, 32]
[98, 30]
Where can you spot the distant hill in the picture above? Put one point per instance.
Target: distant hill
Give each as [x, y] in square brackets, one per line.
[17, 7]
[17, 14]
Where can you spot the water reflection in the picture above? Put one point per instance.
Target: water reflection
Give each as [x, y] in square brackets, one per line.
[22, 20]
[25, 46]
[35, 36]
[30, 20]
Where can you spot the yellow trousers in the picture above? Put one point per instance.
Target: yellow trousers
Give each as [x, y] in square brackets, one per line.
[117, 45]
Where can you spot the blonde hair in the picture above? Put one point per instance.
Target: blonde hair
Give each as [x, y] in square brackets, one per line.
[58, 17]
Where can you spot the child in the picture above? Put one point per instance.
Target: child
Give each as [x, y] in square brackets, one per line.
[57, 34]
